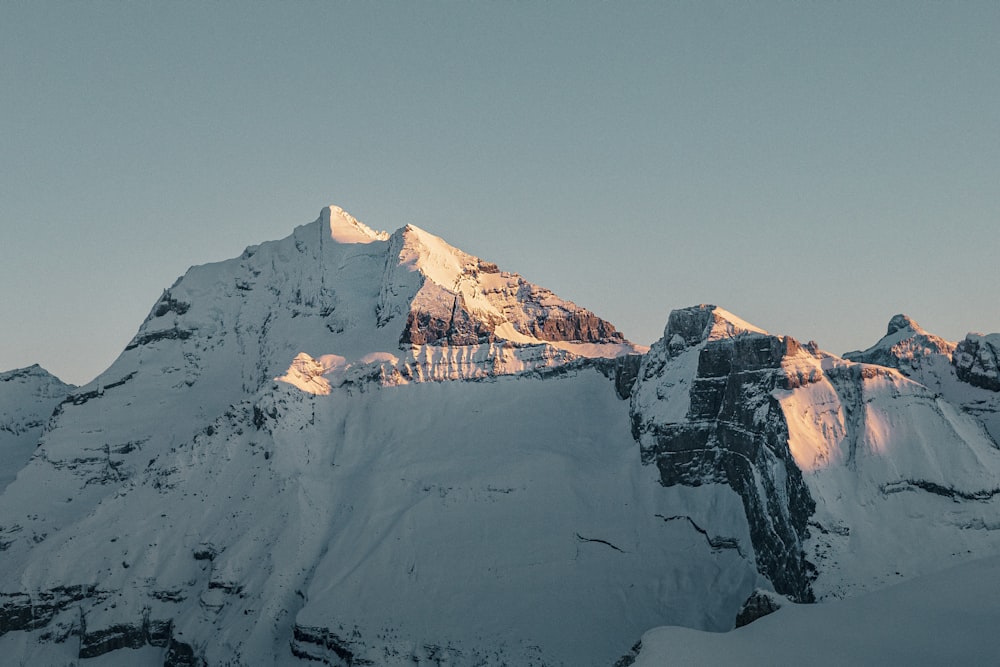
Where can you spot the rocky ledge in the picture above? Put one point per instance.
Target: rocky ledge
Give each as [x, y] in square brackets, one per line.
[977, 361]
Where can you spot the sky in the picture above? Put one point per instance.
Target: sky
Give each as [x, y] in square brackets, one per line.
[814, 168]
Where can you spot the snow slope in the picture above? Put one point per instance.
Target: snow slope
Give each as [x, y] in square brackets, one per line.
[507, 521]
[27, 398]
[947, 618]
[198, 507]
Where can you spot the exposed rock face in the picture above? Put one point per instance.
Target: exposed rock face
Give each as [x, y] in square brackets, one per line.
[462, 300]
[626, 372]
[457, 326]
[733, 432]
[905, 346]
[900, 322]
[758, 605]
[66, 611]
[977, 361]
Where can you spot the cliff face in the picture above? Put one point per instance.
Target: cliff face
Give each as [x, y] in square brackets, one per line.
[824, 452]
[732, 432]
[977, 361]
[462, 300]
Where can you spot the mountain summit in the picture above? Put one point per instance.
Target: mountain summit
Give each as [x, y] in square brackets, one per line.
[345, 228]
[407, 306]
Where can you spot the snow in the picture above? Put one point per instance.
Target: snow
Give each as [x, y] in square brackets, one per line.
[906, 344]
[727, 325]
[344, 228]
[268, 455]
[377, 506]
[948, 618]
[439, 262]
[27, 398]
[872, 443]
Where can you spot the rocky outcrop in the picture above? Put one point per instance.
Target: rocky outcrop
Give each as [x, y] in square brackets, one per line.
[24, 612]
[734, 433]
[451, 297]
[905, 346]
[560, 321]
[454, 318]
[758, 605]
[977, 361]
[457, 326]
[63, 612]
[325, 646]
[625, 373]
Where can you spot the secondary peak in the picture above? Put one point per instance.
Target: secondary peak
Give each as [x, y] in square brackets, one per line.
[900, 322]
[345, 228]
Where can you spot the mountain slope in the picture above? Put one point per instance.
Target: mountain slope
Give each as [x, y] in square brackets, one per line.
[201, 509]
[841, 466]
[941, 619]
[355, 447]
[27, 398]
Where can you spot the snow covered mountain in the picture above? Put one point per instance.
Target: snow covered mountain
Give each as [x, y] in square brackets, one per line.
[27, 398]
[841, 466]
[352, 447]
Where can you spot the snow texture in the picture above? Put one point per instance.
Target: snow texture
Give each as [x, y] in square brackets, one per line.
[948, 618]
[350, 446]
[27, 398]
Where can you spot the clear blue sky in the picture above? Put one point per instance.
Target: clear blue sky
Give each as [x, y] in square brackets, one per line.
[813, 167]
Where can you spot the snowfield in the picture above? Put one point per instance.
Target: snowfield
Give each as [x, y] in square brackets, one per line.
[947, 618]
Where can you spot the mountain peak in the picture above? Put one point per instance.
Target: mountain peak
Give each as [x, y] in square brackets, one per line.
[33, 372]
[434, 257]
[345, 228]
[903, 346]
[900, 322]
[696, 324]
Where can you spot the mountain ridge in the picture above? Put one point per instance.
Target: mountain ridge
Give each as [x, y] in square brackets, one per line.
[336, 445]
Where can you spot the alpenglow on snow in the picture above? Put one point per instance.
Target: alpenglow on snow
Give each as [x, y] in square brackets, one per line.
[352, 447]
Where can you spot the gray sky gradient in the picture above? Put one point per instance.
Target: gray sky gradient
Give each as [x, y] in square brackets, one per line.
[813, 167]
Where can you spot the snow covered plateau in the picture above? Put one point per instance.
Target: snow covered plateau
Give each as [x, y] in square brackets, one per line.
[349, 447]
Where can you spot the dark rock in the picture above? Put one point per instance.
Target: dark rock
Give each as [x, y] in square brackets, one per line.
[321, 644]
[759, 604]
[691, 325]
[180, 654]
[112, 638]
[977, 361]
[158, 633]
[900, 322]
[205, 552]
[630, 657]
[626, 371]
[168, 304]
[16, 613]
[20, 611]
[153, 336]
[580, 326]
[83, 397]
[735, 433]
[528, 312]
